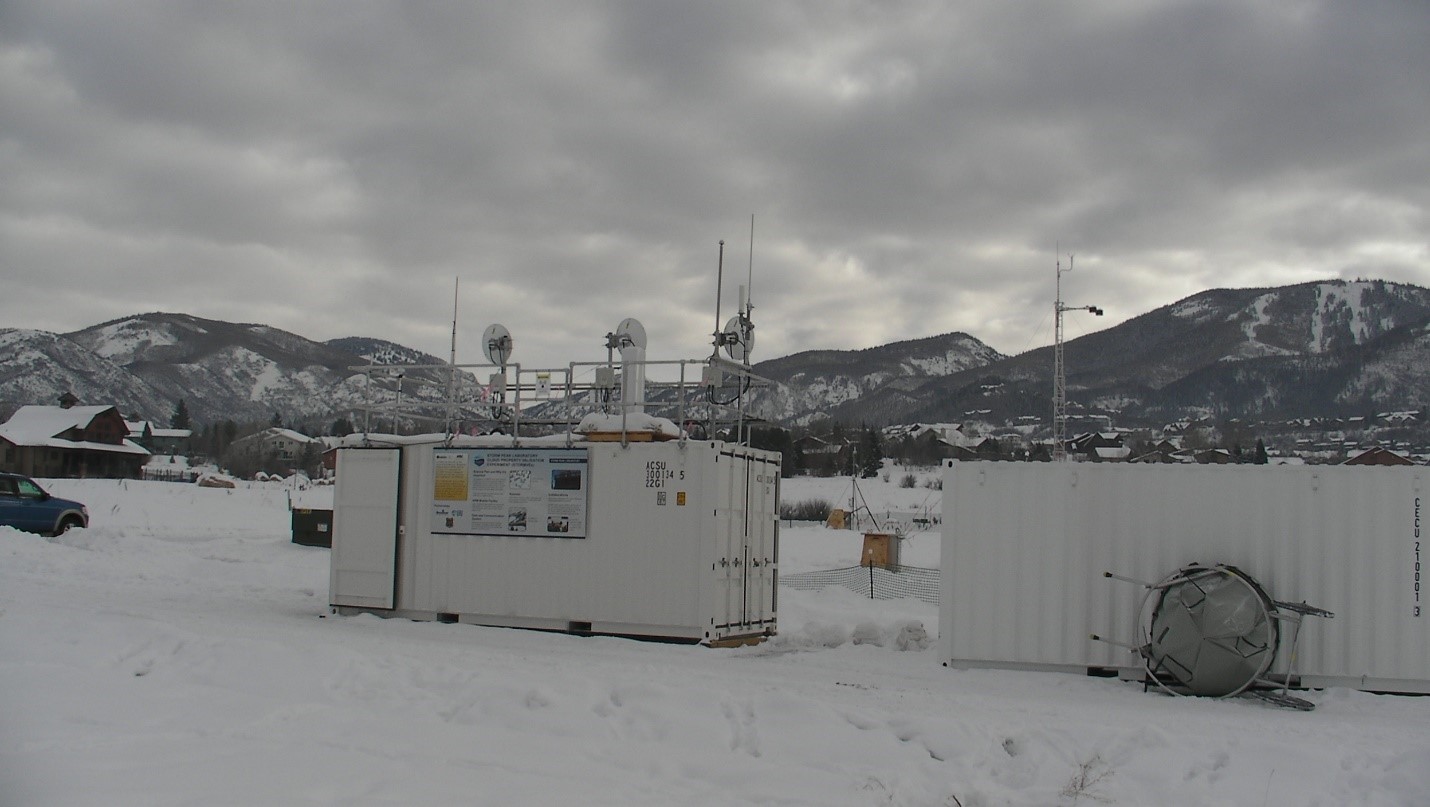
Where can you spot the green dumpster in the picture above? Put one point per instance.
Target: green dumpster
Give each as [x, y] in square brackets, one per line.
[313, 527]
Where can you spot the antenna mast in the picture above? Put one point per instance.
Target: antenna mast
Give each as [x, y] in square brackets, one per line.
[1060, 381]
[719, 282]
[750, 281]
[452, 363]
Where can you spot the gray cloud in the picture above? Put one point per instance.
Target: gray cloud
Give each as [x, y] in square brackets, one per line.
[331, 168]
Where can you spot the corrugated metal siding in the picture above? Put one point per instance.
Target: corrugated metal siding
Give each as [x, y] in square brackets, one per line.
[363, 559]
[1025, 546]
[644, 568]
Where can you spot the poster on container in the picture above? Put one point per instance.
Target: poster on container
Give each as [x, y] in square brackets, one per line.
[510, 491]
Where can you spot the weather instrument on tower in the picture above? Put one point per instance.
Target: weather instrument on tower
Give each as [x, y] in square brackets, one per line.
[1060, 379]
[629, 338]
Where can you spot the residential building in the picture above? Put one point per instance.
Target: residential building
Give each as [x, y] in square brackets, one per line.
[70, 442]
[1379, 456]
[274, 449]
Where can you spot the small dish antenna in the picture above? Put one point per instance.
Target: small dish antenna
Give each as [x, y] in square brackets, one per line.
[739, 338]
[496, 343]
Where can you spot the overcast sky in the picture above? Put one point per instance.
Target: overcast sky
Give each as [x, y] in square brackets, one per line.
[912, 168]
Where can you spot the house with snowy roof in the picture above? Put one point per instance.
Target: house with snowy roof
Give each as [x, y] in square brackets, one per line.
[273, 449]
[171, 441]
[70, 442]
[1091, 444]
[140, 432]
[157, 440]
[1379, 455]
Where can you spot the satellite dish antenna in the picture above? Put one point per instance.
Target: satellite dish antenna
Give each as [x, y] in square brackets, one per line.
[496, 343]
[739, 338]
[630, 333]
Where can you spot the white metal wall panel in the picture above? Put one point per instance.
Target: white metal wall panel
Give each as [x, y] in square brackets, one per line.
[1025, 546]
[745, 522]
[661, 519]
[729, 526]
[761, 538]
[363, 561]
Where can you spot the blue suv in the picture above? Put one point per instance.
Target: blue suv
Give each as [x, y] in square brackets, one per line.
[25, 505]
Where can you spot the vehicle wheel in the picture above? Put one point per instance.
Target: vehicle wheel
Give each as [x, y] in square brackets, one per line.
[68, 523]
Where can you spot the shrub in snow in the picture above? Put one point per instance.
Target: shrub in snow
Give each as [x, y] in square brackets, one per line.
[867, 633]
[807, 510]
[824, 634]
[912, 636]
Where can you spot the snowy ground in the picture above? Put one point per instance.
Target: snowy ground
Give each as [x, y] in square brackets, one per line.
[178, 653]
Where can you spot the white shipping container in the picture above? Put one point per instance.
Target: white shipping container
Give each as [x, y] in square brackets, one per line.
[1025, 547]
[672, 540]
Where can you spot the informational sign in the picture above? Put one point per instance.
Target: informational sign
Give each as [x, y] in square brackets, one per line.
[510, 491]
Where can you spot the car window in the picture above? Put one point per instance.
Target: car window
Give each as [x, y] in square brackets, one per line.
[7, 487]
[28, 488]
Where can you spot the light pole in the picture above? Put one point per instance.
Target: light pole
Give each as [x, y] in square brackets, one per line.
[1060, 381]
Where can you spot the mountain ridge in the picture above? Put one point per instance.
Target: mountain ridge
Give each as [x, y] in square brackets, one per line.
[1316, 348]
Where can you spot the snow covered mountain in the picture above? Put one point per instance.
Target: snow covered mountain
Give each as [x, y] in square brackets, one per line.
[222, 370]
[381, 351]
[871, 385]
[225, 370]
[1315, 349]
[36, 367]
[145, 364]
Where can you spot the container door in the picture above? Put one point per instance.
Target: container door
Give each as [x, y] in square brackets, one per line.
[364, 557]
[761, 541]
[747, 494]
[730, 532]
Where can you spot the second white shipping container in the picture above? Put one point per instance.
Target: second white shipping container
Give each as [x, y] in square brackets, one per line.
[1026, 545]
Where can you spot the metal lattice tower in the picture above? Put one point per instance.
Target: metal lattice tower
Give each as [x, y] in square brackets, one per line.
[1060, 381]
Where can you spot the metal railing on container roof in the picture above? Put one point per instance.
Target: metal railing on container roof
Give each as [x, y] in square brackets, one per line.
[706, 399]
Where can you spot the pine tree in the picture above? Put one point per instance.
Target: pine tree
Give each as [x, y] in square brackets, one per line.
[1261, 456]
[180, 418]
[871, 453]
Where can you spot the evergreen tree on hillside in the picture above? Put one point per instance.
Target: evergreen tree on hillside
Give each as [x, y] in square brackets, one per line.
[180, 418]
[871, 453]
